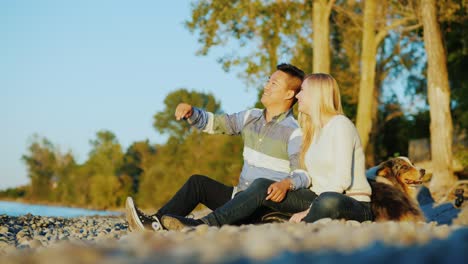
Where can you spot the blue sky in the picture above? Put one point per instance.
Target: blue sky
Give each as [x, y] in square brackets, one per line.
[71, 68]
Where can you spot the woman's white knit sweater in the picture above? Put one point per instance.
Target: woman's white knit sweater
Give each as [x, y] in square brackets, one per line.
[335, 160]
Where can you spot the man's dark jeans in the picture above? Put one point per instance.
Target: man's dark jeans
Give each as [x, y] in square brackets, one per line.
[329, 204]
[247, 202]
[197, 189]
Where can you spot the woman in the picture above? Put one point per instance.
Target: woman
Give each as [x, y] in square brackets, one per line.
[332, 155]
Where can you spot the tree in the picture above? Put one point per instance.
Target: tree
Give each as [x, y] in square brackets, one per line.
[260, 28]
[439, 99]
[321, 35]
[269, 31]
[41, 163]
[66, 191]
[138, 158]
[375, 30]
[455, 39]
[104, 160]
[368, 63]
[365, 66]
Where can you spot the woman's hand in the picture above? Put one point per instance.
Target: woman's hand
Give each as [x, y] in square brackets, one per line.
[296, 218]
[277, 191]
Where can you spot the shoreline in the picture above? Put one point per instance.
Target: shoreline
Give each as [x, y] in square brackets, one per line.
[57, 205]
[197, 211]
[28, 202]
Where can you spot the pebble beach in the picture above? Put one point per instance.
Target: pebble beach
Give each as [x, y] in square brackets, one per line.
[106, 239]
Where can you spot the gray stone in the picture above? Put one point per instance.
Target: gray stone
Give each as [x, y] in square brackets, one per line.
[201, 229]
[4, 244]
[3, 229]
[24, 245]
[35, 243]
[23, 239]
[22, 233]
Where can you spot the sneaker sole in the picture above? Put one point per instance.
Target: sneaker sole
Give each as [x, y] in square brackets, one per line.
[131, 215]
[172, 223]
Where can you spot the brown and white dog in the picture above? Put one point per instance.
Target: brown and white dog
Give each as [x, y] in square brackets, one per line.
[394, 191]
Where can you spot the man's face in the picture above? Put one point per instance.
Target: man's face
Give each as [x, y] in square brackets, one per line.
[276, 89]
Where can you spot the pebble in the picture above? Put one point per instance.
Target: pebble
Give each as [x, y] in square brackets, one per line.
[3, 229]
[3, 244]
[109, 236]
[201, 229]
[35, 243]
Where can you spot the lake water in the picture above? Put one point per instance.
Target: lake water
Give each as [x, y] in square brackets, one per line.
[17, 209]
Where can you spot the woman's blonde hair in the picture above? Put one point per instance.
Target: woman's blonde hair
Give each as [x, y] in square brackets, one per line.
[325, 101]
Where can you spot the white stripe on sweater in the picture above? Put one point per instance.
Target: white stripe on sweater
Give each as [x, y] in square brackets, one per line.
[296, 133]
[209, 124]
[262, 160]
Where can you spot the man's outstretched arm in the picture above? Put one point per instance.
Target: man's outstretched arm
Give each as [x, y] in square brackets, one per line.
[209, 122]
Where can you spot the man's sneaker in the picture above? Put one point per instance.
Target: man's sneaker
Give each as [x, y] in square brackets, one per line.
[139, 221]
[177, 223]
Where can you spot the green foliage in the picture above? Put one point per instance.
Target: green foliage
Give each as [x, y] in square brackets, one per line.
[217, 156]
[103, 163]
[14, 193]
[140, 156]
[396, 129]
[66, 190]
[265, 33]
[41, 163]
[271, 27]
[461, 153]
[456, 40]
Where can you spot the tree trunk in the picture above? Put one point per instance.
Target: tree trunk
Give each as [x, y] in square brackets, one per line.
[438, 93]
[321, 36]
[372, 147]
[368, 63]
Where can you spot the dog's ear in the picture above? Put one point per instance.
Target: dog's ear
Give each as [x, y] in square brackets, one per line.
[385, 169]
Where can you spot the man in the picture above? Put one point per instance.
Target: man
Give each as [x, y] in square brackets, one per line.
[272, 140]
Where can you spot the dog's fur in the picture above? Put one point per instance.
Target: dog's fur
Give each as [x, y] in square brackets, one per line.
[393, 191]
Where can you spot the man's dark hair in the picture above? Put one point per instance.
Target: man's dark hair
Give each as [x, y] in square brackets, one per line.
[291, 70]
[294, 72]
